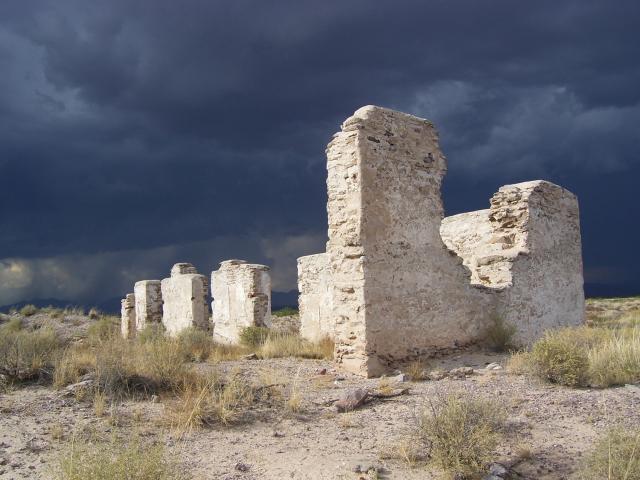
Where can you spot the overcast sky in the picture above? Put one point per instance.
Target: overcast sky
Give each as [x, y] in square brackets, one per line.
[135, 134]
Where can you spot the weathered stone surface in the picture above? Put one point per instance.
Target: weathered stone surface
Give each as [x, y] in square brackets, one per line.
[398, 291]
[315, 302]
[352, 400]
[184, 297]
[128, 316]
[527, 248]
[241, 295]
[148, 303]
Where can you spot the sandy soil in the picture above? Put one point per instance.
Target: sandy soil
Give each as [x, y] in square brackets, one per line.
[556, 424]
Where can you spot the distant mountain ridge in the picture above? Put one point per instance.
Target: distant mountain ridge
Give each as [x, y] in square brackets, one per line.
[112, 305]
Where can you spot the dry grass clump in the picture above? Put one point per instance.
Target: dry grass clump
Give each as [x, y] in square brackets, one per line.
[254, 337]
[417, 371]
[582, 356]
[197, 345]
[208, 401]
[462, 433]
[27, 354]
[280, 345]
[615, 456]
[28, 310]
[129, 460]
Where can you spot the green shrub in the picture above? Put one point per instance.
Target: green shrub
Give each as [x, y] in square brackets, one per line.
[27, 354]
[115, 460]
[285, 312]
[462, 433]
[499, 335]
[615, 456]
[103, 329]
[151, 332]
[253, 337]
[559, 359]
[196, 344]
[582, 356]
[28, 310]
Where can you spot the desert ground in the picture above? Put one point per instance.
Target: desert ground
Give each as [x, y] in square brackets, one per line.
[288, 425]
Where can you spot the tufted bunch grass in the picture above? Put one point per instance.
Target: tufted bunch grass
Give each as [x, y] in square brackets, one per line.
[584, 356]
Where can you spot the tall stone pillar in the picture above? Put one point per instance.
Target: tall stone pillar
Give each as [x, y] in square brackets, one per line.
[241, 295]
[148, 303]
[184, 297]
[128, 316]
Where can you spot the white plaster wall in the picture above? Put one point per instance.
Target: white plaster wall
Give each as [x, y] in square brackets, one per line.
[184, 302]
[241, 294]
[148, 303]
[398, 291]
[315, 302]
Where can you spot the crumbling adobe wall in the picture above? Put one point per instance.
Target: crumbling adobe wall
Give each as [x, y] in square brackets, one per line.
[527, 248]
[148, 303]
[128, 316]
[241, 295]
[184, 297]
[398, 291]
[315, 302]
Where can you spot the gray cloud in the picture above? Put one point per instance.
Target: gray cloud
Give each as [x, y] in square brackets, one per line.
[168, 128]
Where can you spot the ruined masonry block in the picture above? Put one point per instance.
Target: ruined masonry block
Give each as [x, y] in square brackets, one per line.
[241, 295]
[315, 302]
[148, 303]
[184, 297]
[527, 247]
[398, 292]
[128, 316]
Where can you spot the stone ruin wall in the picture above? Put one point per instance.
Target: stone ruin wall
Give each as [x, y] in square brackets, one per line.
[529, 252]
[184, 296]
[241, 294]
[315, 302]
[398, 291]
[148, 298]
[128, 316]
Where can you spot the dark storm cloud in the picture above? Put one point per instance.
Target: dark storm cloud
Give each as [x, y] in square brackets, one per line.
[133, 126]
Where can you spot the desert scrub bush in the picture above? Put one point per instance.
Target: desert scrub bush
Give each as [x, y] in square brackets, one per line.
[462, 433]
[499, 334]
[615, 456]
[280, 345]
[28, 310]
[12, 326]
[207, 401]
[103, 329]
[151, 332]
[253, 337]
[27, 354]
[74, 362]
[616, 360]
[581, 356]
[94, 313]
[196, 344]
[285, 312]
[129, 460]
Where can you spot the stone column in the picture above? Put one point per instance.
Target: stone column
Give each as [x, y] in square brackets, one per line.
[148, 303]
[128, 316]
[241, 295]
[315, 303]
[184, 297]
[398, 292]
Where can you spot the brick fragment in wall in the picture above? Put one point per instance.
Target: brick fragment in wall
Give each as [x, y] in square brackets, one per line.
[128, 316]
[185, 300]
[148, 303]
[241, 294]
